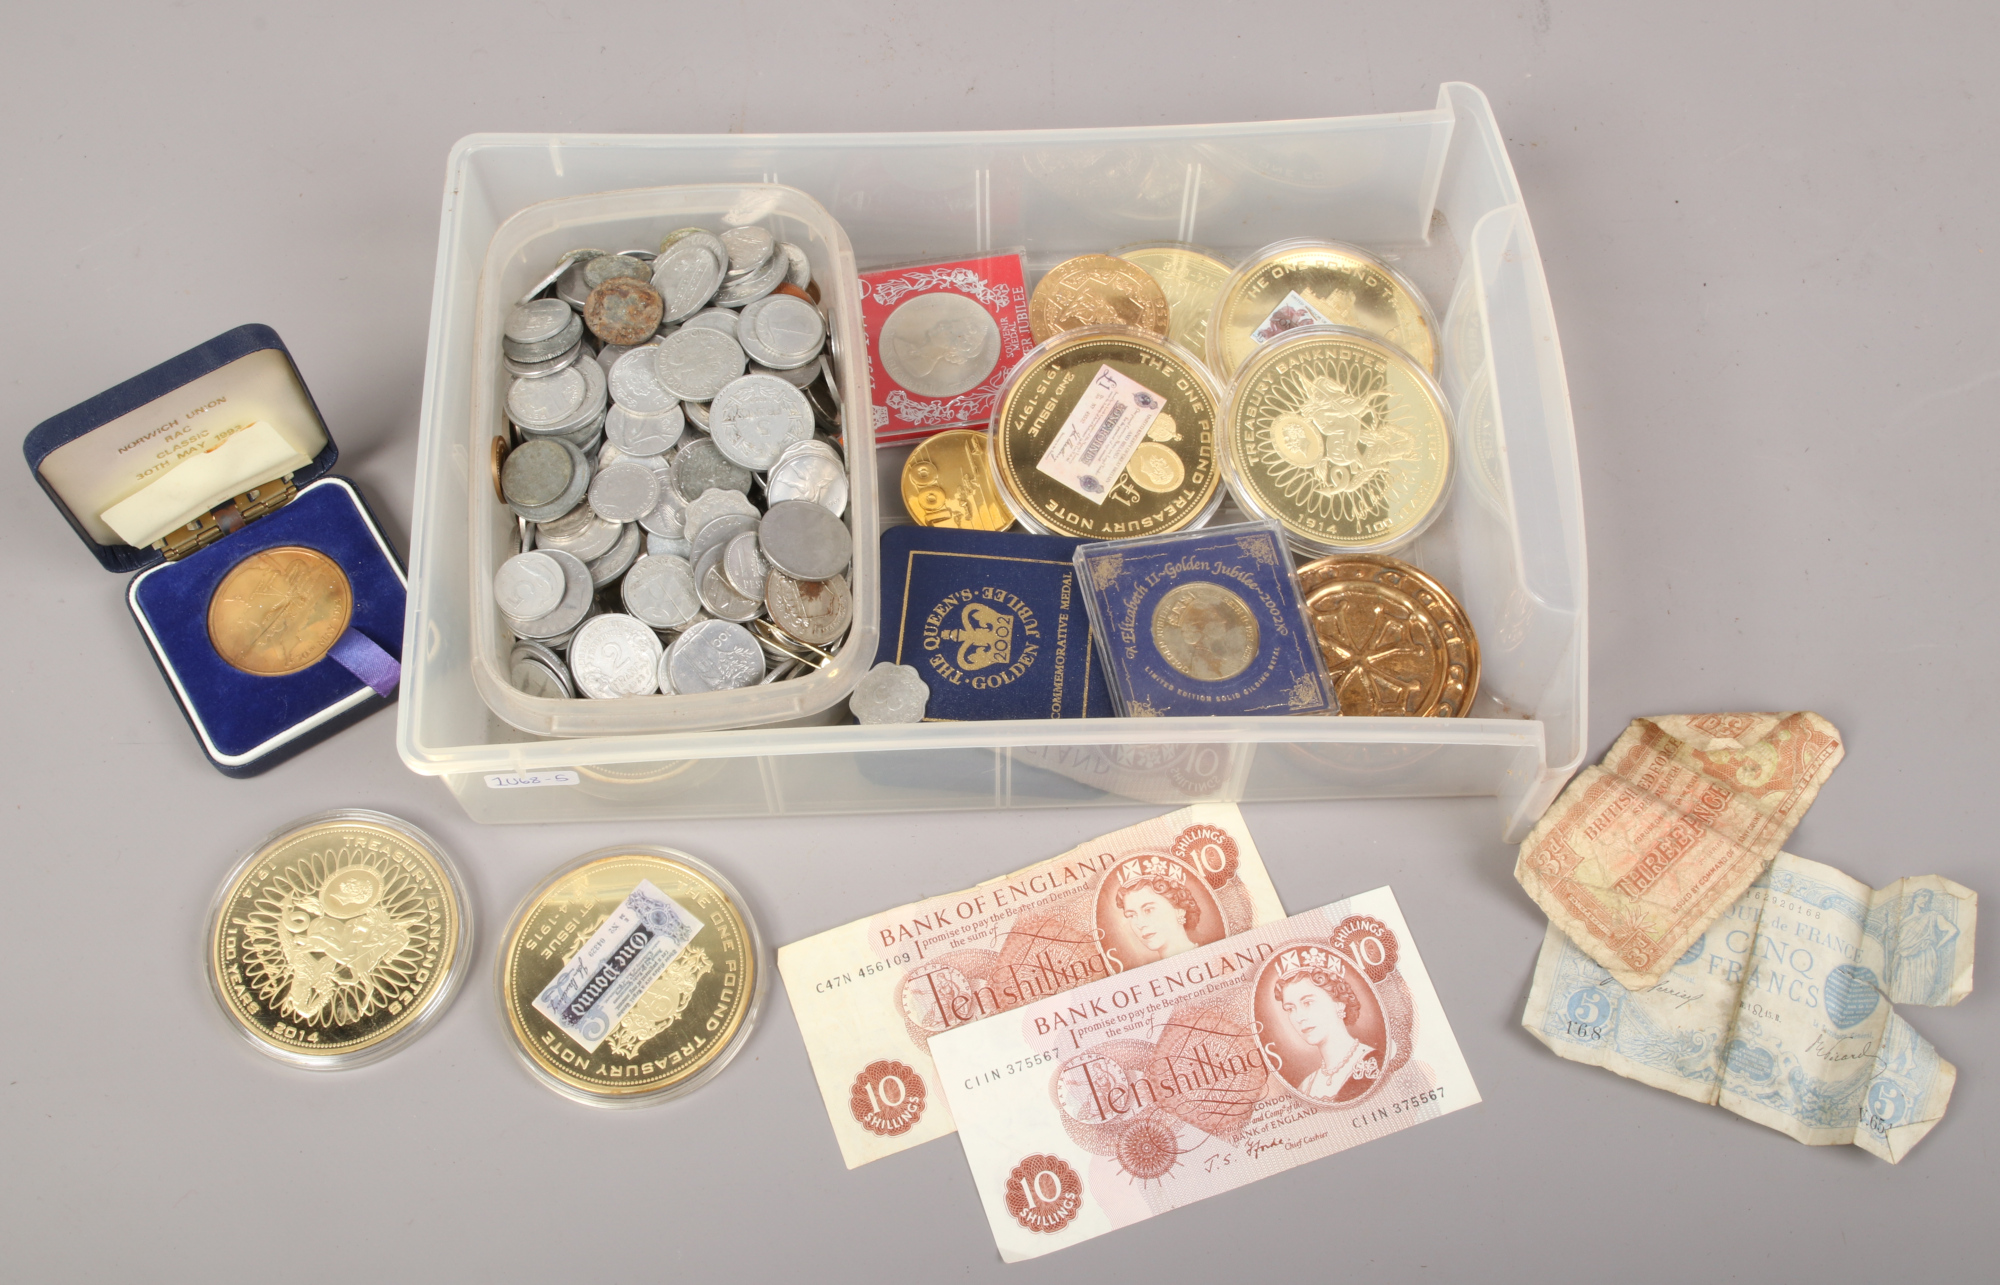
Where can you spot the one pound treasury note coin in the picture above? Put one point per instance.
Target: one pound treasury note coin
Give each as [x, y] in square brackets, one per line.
[339, 939]
[630, 976]
[1105, 433]
[1341, 439]
[1317, 283]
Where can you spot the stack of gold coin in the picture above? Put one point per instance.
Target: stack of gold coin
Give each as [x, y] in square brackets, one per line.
[1302, 283]
[1107, 432]
[1394, 640]
[948, 482]
[1341, 439]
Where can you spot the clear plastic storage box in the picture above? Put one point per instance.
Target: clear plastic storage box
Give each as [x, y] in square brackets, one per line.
[1431, 191]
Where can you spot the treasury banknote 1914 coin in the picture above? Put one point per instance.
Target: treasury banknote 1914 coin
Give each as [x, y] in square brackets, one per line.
[1202, 1072]
[870, 996]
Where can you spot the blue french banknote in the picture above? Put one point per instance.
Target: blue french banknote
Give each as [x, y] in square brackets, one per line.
[610, 972]
[1781, 1011]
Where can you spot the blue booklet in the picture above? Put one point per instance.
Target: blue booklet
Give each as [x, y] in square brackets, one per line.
[994, 622]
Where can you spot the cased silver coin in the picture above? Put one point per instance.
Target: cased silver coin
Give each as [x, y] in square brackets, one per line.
[939, 345]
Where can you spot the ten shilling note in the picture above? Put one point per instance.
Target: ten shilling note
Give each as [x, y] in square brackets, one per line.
[1780, 1011]
[1643, 851]
[871, 995]
[1145, 1091]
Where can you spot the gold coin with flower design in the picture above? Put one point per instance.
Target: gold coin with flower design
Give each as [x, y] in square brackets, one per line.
[1317, 283]
[1394, 640]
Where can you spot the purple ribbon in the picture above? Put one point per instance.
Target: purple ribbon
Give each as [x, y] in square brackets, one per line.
[358, 654]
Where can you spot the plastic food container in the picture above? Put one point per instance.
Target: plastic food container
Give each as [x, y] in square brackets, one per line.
[1430, 191]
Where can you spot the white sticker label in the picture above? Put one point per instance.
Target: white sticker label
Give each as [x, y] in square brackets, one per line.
[1291, 313]
[611, 972]
[522, 780]
[1098, 438]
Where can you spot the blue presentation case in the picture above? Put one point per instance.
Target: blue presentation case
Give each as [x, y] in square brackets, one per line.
[104, 448]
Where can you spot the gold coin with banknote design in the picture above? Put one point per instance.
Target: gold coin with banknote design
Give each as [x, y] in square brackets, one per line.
[667, 1035]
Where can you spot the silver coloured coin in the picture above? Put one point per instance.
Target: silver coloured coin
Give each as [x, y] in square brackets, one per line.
[749, 247]
[540, 651]
[609, 566]
[669, 546]
[535, 474]
[755, 418]
[664, 672]
[800, 379]
[636, 433]
[635, 383]
[826, 375]
[777, 643]
[573, 490]
[569, 286]
[789, 333]
[697, 414]
[536, 679]
[528, 586]
[580, 533]
[609, 454]
[743, 566]
[586, 438]
[723, 319]
[805, 474]
[713, 656]
[668, 519]
[700, 465]
[608, 356]
[625, 492]
[667, 241]
[714, 503]
[890, 693]
[722, 601]
[587, 411]
[813, 611]
[755, 284]
[543, 369]
[606, 266]
[697, 364]
[578, 600]
[545, 403]
[613, 656]
[564, 337]
[799, 270]
[546, 285]
[660, 591]
[939, 345]
[687, 274]
[721, 531]
[781, 672]
[805, 541]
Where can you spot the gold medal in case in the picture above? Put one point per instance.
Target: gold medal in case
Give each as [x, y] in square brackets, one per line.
[1317, 283]
[339, 939]
[688, 1022]
[1341, 439]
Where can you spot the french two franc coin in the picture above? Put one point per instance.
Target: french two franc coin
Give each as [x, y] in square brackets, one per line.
[682, 1028]
[279, 611]
[1340, 438]
[1395, 641]
[1096, 290]
[948, 482]
[338, 939]
[1191, 280]
[1171, 478]
[1315, 283]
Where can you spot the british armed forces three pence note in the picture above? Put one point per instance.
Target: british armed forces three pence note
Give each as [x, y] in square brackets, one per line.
[1780, 1011]
[1154, 1088]
[1643, 851]
[870, 996]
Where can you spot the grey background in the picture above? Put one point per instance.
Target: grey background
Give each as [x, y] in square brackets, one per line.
[1768, 233]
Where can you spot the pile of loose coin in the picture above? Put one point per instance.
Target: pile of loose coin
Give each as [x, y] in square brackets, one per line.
[677, 471]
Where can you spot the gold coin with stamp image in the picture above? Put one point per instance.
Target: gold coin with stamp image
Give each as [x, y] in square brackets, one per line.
[1317, 283]
[1395, 641]
[630, 976]
[948, 482]
[1097, 290]
[279, 611]
[338, 939]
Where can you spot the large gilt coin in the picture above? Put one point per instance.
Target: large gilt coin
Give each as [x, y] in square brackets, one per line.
[1341, 439]
[948, 482]
[1395, 641]
[279, 611]
[1205, 631]
[687, 1023]
[1170, 481]
[1190, 280]
[338, 939]
[1096, 290]
[1307, 283]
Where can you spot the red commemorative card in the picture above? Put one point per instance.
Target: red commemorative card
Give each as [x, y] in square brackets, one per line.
[941, 339]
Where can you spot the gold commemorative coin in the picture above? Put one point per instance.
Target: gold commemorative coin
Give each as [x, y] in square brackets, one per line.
[1395, 641]
[948, 482]
[1191, 280]
[279, 611]
[1314, 283]
[641, 1046]
[1341, 439]
[338, 939]
[1105, 433]
[1096, 290]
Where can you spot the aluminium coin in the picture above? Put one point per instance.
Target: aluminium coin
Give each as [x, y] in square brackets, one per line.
[659, 590]
[609, 566]
[700, 465]
[607, 267]
[720, 531]
[635, 384]
[753, 419]
[755, 284]
[670, 545]
[578, 598]
[713, 656]
[939, 345]
[803, 473]
[640, 433]
[723, 319]
[697, 414]
[338, 939]
[533, 678]
[528, 586]
[537, 473]
[799, 271]
[889, 693]
[625, 492]
[749, 247]
[782, 332]
[687, 274]
[669, 517]
[805, 541]
[697, 364]
[539, 403]
[580, 532]
[721, 599]
[712, 504]
[614, 656]
[812, 611]
[743, 565]
[543, 369]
